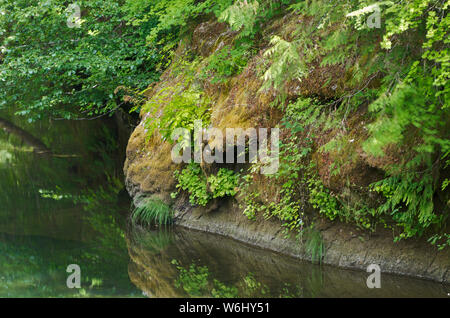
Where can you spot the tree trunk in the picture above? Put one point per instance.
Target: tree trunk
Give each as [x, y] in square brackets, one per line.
[26, 137]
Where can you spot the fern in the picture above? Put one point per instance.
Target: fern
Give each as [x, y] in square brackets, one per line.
[241, 16]
[409, 199]
[286, 63]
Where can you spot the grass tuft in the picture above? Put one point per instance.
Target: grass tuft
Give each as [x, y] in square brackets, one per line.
[152, 211]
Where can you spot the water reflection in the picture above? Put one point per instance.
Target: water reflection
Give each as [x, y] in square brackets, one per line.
[176, 262]
[61, 208]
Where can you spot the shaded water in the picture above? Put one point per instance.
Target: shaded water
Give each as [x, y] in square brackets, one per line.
[70, 208]
[176, 262]
[63, 208]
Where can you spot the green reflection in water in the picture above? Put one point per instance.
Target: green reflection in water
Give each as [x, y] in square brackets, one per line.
[198, 281]
[63, 208]
[176, 262]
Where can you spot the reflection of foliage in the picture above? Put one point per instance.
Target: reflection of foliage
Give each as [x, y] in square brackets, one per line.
[287, 292]
[22, 268]
[41, 262]
[102, 207]
[315, 282]
[38, 180]
[223, 291]
[193, 280]
[314, 244]
[196, 282]
[102, 197]
[252, 286]
[154, 241]
[83, 188]
[22, 180]
[103, 147]
[199, 281]
[104, 259]
[36, 267]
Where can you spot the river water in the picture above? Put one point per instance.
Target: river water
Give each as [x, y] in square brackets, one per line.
[70, 207]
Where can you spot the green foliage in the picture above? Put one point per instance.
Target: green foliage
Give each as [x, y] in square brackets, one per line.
[286, 63]
[224, 183]
[415, 192]
[192, 179]
[249, 202]
[202, 189]
[401, 111]
[152, 211]
[415, 106]
[322, 200]
[173, 20]
[441, 241]
[287, 205]
[408, 104]
[246, 16]
[196, 282]
[298, 180]
[289, 208]
[50, 70]
[176, 107]
[399, 70]
[226, 62]
[241, 16]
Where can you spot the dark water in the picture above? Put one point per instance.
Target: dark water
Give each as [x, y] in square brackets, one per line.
[69, 207]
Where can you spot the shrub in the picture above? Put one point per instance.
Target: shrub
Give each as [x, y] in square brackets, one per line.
[202, 189]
